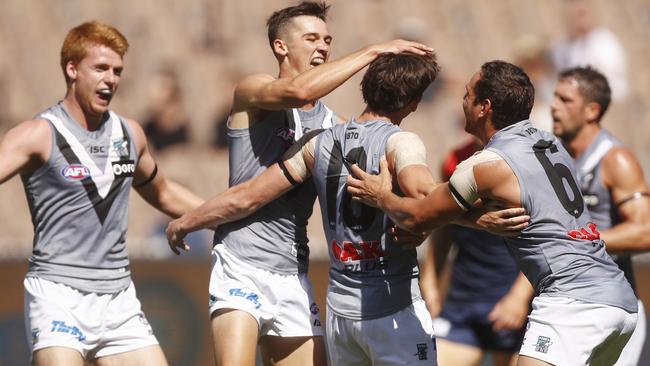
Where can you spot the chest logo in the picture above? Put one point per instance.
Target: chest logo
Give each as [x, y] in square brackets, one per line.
[121, 147]
[123, 168]
[75, 172]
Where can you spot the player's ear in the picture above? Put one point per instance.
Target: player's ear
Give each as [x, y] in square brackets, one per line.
[592, 111]
[486, 107]
[71, 70]
[280, 48]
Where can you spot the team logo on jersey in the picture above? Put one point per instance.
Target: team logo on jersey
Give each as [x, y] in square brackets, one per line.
[75, 172]
[120, 146]
[583, 234]
[422, 351]
[542, 344]
[123, 168]
[286, 134]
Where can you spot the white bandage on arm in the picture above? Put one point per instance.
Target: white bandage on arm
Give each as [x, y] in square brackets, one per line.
[462, 183]
[296, 158]
[407, 148]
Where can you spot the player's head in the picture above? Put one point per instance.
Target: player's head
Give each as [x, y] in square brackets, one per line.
[396, 82]
[80, 38]
[298, 35]
[91, 59]
[499, 91]
[582, 96]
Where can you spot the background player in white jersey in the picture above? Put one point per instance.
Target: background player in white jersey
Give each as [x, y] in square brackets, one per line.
[360, 253]
[259, 290]
[585, 310]
[78, 161]
[609, 175]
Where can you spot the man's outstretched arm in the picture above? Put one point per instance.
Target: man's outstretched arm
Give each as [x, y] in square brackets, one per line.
[243, 199]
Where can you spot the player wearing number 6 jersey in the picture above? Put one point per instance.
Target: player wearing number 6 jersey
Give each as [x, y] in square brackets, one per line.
[585, 310]
[376, 315]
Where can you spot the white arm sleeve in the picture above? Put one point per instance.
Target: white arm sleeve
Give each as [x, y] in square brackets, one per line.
[462, 183]
[407, 148]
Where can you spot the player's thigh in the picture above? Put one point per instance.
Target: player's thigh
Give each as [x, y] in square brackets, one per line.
[54, 356]
[529, 361]
[146, 356]
[453, 353]
[293, 351]
[504, 358]
[234, 337]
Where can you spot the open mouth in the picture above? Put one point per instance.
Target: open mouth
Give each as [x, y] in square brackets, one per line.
[105, 94]
[317, 61]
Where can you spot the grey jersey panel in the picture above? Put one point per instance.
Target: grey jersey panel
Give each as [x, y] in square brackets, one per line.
[275, 237]
[597, 196]
[370, 277]
[79, 203]
[558, 252]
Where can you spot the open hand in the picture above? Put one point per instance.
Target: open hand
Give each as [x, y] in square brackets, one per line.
[367, 188]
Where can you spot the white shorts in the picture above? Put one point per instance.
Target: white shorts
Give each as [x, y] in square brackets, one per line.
[400, 339]
[568, 332]
[96, 325]
[283, 305]
[632, 351]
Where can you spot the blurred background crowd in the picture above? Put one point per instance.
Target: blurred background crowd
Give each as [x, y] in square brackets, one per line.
[185, 58]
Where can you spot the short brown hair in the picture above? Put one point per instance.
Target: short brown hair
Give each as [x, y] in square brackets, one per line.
[592, 84]
[394, 81]
[509, 89]
[279, 19]
[76, 42]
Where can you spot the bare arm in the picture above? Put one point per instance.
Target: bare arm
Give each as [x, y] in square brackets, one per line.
[243, 199]
[432, 267]
[511, 311]
[623, 176]
[24, 148]
[151, 184]
[266, 92]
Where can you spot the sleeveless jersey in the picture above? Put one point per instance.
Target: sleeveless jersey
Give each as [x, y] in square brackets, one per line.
[79, 204]
[275, 237]
[370, 277]
[483, 270]
[560, 252]
[597, 197]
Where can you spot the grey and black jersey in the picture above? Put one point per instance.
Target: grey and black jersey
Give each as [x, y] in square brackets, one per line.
[370, 277]
[79, 203]
[275, 237]
[597, 197]
[560, 252]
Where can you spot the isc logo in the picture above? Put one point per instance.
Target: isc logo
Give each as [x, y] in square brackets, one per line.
[123, 168]
[74, 172]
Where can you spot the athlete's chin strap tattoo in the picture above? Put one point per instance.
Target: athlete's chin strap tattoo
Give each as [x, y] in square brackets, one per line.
[631, 197]
[148, 180]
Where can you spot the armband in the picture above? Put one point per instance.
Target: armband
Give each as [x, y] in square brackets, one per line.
[148, 180]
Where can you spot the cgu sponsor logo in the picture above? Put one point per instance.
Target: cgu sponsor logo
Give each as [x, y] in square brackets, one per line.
[352, 254]
[583, 234]
[75, 172]
[123, 168]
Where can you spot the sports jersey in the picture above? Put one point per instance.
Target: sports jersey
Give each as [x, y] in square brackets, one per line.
[597, 196]
[370, 277]
[275, 237]
[78, 202]
[483, 269]
[560, 252]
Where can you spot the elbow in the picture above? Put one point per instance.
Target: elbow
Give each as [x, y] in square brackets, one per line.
[300, 95]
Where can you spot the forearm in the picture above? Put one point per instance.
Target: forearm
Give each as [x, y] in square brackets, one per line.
[228, 206]
[627, 237]
[172, 199]
[322, 80]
